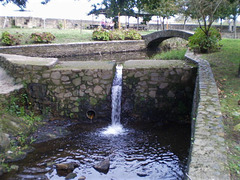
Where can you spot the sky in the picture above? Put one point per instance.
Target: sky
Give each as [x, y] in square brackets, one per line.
[64, 9]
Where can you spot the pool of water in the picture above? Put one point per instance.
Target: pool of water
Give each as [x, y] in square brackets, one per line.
[141, 151]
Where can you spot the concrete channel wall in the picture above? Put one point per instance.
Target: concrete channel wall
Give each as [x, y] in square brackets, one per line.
[208, 158]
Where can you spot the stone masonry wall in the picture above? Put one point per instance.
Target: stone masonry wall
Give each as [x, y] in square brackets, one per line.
[74, 49]
[159, 91]
[65, 91]
[70, 89]
[207, 159]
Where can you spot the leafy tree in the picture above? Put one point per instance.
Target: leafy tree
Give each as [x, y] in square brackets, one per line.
[204, 11]
[113, 9]
[234, 10]
[184, 9]
[162, 8]
[20, 3]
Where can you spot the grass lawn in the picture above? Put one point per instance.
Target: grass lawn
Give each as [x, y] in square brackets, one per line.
[225, 65]
[62, 36]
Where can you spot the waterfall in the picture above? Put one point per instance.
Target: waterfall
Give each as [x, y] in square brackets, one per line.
[116, 127]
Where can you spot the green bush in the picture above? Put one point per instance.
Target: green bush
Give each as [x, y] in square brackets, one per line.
[105, 35]
[200, 42]
[101, 34]
[117, 35]
[132, 35]
[45, 37]
[9, 39]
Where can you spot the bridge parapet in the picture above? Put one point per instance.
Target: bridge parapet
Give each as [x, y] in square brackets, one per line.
[154, 39]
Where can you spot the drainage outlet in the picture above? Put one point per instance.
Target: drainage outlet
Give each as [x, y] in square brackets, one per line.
[90, 114]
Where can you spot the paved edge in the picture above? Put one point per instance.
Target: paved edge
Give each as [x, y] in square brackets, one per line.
[208, 155]
[26, 60]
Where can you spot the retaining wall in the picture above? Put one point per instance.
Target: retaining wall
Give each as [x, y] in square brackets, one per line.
[208, 157]
[74, 49]
[158, 91]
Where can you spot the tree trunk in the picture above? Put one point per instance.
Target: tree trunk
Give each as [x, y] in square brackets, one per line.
[137, 22]
[221, 25]
[163, 28]
[119, 23]
[239, 70]
[235, 27]
[5, 22]
[184, 24]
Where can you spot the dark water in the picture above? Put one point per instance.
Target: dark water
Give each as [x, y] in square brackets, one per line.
[121, 56]
[143, 151]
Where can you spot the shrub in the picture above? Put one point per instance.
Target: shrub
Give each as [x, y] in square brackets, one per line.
[132, 35]
[200, 42]
[9, 39]
[45, 37]
[117, 35]
[101, 34]
[104, 35]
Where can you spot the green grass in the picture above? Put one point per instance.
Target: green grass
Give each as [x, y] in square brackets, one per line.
[225, 65]
[62, 36]
[177, 54]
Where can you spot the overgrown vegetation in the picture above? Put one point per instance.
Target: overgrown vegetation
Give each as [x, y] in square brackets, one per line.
[177, 54]
[101, 34]
[200, 42]
[18, 120]
[225, 65]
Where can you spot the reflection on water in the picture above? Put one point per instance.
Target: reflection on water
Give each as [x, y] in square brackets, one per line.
[121, 56]
[141, 152]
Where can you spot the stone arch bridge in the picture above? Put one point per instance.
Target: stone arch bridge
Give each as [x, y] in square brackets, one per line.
[154, 39]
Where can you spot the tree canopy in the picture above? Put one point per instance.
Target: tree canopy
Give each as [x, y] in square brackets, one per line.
[20, 3]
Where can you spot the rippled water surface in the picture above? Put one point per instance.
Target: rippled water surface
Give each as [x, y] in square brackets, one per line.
[141, 152]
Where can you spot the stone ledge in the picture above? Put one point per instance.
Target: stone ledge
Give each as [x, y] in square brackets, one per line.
[80, 65]
[155, 64]
[33, 61]
[208, 156]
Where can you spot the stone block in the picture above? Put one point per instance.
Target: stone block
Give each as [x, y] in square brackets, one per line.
[56, 75]
[65, 78]
[97, 89]
[77, 81]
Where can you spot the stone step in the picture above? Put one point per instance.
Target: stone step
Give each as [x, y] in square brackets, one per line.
[7, 84]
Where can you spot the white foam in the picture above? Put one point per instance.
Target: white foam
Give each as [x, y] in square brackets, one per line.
[115, 129]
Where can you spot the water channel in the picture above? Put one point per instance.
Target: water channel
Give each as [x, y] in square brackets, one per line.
[142, 151]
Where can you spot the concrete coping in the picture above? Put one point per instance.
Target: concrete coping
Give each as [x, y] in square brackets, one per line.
[80, 65]
[34, 61]
[154, 64]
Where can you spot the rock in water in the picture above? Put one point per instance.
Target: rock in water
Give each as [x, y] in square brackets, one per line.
[82, 178]
[64, 169]
[71, 176]
[103, 166]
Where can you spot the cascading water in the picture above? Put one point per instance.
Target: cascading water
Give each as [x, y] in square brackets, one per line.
[116, 127]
